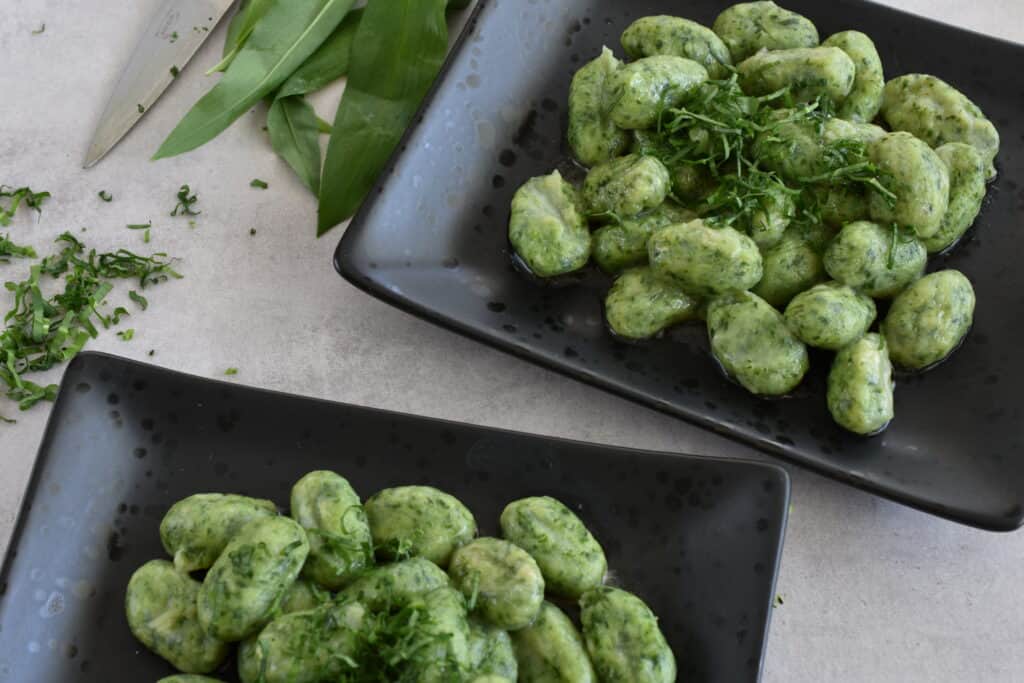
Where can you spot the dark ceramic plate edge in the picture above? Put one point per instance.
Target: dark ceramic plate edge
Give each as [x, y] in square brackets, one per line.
[776, 472]
[347, 267]
[981, 521]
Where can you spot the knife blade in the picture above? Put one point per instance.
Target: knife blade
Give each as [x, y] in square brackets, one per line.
[170, 40]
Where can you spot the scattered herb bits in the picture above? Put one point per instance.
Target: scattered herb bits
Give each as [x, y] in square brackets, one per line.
[16, 197]
[9, 249]
[140, 300]
[186, 203]
[259, 184]
[105, 196]
[42, 332]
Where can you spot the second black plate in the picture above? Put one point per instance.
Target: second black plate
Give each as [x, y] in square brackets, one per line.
[698, 538]
[432, 240]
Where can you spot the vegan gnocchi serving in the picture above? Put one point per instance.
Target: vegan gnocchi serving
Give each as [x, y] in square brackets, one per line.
[399, 589]
[775, 186]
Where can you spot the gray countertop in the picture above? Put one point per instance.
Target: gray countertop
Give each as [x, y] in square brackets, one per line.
[872, 591]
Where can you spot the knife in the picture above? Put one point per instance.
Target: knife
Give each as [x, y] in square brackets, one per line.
[170, 40]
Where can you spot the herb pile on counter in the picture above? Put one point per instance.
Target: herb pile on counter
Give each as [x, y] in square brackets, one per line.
[44, 330]
[15, 197]
[774, 187]
[281, 50]
[399, 589]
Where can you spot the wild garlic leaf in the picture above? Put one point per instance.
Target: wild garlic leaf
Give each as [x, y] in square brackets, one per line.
[241, 26]
[295, 136]
[329, 63]
[397, 52]
[289, 32]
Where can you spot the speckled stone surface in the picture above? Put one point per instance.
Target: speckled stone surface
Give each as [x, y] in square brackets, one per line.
[872, 590]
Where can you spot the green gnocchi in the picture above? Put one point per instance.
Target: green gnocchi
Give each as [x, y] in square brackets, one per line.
[570, 558]
[626, 186]
[330, 511]
[936, 112]
[642, 303]
[195, 530]
[484, 620]
[160, 605]
[748, 27]
[809, 72]
[860, 386]
[750, 168]
[705, 260]
[250, 577]
[929, 319]
[675, 36]
[830, 315]
[642, 89]
[754, 345]
[551, 650]
[501, 579]
[622, 636]
[547, 229]
[399, 517]
[593, 136]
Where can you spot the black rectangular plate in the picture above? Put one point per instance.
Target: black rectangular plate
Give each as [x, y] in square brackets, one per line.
[698, 538]
[432, 240]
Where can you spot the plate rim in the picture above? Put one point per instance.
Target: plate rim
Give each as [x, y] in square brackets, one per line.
[346, 264]
[776, 472]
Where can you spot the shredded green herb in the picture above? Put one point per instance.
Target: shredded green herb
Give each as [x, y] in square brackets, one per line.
[186, 202]
[716, 128]
[260, 184]
[475, 595]
[41, 332]
[231, 371]
[9, 249]
[847, 161]
[606, 214]
[395, 645]
[174, 37]
[899, 237]
[175, 71]
[105, 196]
[140, 226]
[119, 312]
[142, 110]
[141, 301]
[33, 200]
[126, 335]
